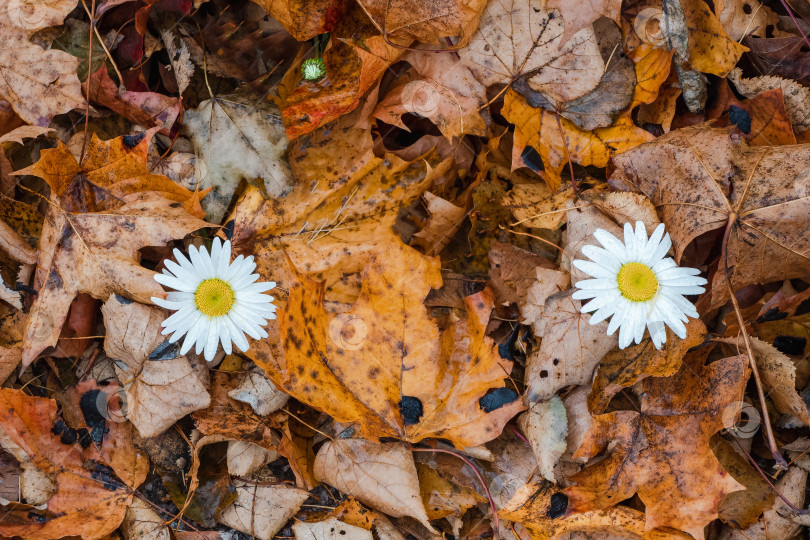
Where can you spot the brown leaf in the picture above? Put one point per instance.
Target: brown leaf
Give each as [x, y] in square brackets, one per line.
[762, 119]
[533, 49]
[443, 221]
[795, 95]
[778, 375]
[96, 253]
[305, 19]
[329, 529]
[570, 349]
[90, 501]
[711, 50]
[427, 22]
[354, 62]
[441, 497]
[384, 365]
[700, 177]
[583, 15]
[741, 509]
[662, 452]
[513, 271]
[159, 391]
[534, 507]
[262, 510]
[741, 18]
[622, 368]
[382, 476]
[39, 84]
[543, 145]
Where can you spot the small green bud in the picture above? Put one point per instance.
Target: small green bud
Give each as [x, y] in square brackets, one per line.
[313, 69]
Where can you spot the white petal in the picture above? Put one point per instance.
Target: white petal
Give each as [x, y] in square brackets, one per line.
[677, 327]
[205, 331]
[262, 286]
[594, 269]
[602, 313]
[658, 246]
[243, 280]
[167, 304]
[184, 262]
[600, 284]
[225, 335]
[641, 321]
[201, 263]
[189, 277]
[602, 257]
[194, 332]
[622, 310]
[601, 301]
[237, 335]
[180, 319]
[663, 264]
[251, 329]
[175, 283]
[641, 240]
[630, 243]
[611, 244]
[212, 340]
[579, 294]
[224, 259]
[684, 290]
[626, 332]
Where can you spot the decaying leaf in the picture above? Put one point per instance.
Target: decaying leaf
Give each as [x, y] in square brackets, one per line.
[522, 40]
[701, 177]
[262, 510]
[741, 508]
[414, 383]
[570, 350]
[662, 452]
[622, 368]
[796, 96]
[237, 137]
[383, 476]
[90, 500]
[161, 387]
[96, 253]
[546, 426]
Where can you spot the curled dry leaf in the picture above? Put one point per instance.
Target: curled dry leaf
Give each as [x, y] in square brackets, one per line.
[441, 496]
[261, 394]
[741, 508]
[444, 220]
[329, 529]
[582, 15]
[261, 510]
[382, 476]
[89, 501]
[384, 364]
[521, 40]
[305, 19]
[745, 17]
[141, 522]
[662, 452]
[762, 119]
[570, 348]
[514, 271]
[796, 96]
[536, 205]
[711, 50]
[237, 137]
[778, 375]
[161, 387]
[245, 458]
[701, 178]
[96, 253]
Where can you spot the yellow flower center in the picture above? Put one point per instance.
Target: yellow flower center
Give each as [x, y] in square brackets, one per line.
[214, 297]
[637, 282]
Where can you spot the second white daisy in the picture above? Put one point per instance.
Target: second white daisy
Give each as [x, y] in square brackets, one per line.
[637, 285]
[217, 301]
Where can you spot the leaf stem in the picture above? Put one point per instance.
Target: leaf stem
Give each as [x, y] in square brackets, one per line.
[495, 525]
[772, 446]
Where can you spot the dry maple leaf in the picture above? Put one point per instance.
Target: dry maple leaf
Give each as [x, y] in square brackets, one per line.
[579, 15]
[543, 141]
[237, 137]
[111, 171]
[702, 179]
[97, 253]
[427, 22]
[38, 83]
[519, 39]
[305, 19]
[89, 501]
[384, 365]
[762, 119]
[662, 452]
[262, 510]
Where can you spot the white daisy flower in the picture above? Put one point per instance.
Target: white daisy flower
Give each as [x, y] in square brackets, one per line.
[638, 285]
[216, 300]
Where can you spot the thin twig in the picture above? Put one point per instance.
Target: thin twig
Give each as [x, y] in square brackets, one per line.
[89, 76]
[768, 480]
[772, 446]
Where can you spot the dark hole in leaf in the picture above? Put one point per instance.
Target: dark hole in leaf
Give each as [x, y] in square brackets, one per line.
[772, 314]
[229, 229]
[790, 344]
[803, 308]
[131, 141]
[122, 300]
[531, 157]
[558, 506]
[165, 351]
[411, 410]
[740, 117]
[497, 398]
